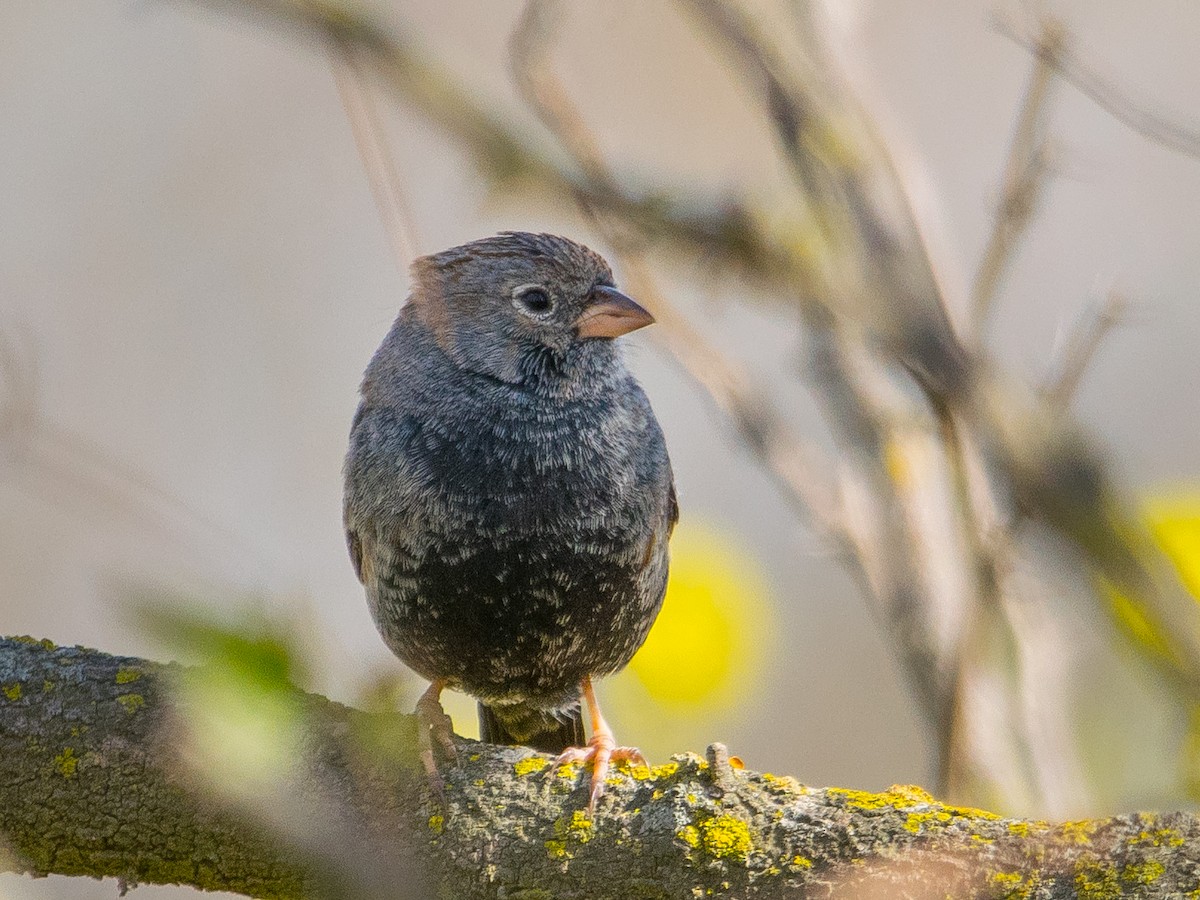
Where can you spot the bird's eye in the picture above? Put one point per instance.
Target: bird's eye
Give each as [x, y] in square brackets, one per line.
[535, 301]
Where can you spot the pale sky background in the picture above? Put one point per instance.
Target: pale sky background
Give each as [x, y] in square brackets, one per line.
[190, 253]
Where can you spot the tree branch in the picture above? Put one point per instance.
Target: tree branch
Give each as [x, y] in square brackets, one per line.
[1024, 173]
[95, 783]
[1182, 137]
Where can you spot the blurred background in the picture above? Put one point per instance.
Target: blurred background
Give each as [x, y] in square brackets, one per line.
[193, 274]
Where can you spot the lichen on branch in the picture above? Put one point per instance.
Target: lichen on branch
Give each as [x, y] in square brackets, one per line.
[98, 784]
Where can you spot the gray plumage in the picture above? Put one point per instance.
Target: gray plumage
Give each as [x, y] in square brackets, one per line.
[508, 495]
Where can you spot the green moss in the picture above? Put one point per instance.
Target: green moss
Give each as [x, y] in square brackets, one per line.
[530, 764]
[128, 675]
[12, 691]
[66, 762]
[131, 702]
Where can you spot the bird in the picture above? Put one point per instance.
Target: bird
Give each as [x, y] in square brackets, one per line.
[509, 498]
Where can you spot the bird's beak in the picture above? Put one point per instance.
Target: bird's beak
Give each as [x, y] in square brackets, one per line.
[610, 314]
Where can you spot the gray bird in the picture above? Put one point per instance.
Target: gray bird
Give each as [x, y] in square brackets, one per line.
[508, 494]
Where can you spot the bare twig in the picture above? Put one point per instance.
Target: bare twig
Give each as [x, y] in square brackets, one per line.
[1024, 173]
[377, 159]
[1104, 92]
[1079, 348]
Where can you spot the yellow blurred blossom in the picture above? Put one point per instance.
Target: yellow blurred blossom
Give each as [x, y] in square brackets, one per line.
[706, 648]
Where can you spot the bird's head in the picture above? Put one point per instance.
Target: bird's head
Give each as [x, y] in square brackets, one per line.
[523, 308]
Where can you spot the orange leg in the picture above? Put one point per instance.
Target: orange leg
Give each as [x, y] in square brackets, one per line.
[434, 725]
[601, 751]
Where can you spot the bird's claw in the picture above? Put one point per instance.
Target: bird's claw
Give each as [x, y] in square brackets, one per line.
[601, 752]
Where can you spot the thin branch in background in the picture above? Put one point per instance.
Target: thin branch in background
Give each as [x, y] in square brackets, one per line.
[794, 463]
[382, 172]
[1080, 346]
[1024, 174]
[1155, 126]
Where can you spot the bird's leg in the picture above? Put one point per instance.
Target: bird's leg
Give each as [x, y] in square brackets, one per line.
[434, 725]
[601, 751]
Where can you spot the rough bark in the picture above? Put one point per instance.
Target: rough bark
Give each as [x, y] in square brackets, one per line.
[93, 784]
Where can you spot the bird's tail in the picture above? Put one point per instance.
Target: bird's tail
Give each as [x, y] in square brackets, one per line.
[523, 726]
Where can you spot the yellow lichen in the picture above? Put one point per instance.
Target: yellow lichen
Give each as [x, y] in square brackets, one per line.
[650, 773]
[127, 675]
[1077, 832]
[131, 702]
[530, 764]
[12, 691]
[914, 793]
[66, 762]
[579, 826]
[906, 796]
[436, 823]
[1013, 885]
[1146, 872]
[1094, 881]
[47, 687]
[970, 812]
[569, 833]
[1019, 829]
[802, 861]
[568, 771]
[1160, 837]
[917, 820]
[474, 757]
[44, 643]
[690, 835]
[725, 837]
[783, 784]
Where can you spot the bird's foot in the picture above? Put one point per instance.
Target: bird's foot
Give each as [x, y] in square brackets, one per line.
[434, 728]
[602, 751]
